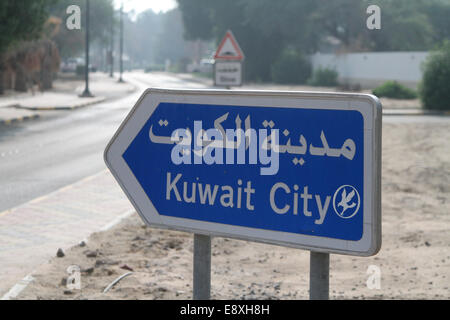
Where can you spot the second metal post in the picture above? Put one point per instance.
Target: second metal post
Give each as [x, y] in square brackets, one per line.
[319, 276]
[202, 267]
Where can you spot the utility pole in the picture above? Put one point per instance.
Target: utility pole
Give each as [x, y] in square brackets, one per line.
[121, 43]
[111, 53]
[86, 93]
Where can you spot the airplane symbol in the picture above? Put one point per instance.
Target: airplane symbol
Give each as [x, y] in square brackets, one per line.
[345, 199]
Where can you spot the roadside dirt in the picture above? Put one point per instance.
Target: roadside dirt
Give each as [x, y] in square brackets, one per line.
[414, 261]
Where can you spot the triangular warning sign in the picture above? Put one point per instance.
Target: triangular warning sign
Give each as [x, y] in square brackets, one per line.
[229, 49]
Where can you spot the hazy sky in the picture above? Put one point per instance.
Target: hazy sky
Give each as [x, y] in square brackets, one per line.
[142, 5]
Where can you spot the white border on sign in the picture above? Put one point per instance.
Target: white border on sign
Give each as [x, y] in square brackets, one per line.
[368, 105]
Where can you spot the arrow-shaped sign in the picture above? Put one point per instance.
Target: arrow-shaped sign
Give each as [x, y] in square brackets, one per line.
[294, 169]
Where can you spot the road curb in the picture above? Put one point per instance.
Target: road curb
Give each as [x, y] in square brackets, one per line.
[19, 119]
[17, 288]
[414, 112]
[71, 107]
[386, 112]
[36, 116]
[201, 80]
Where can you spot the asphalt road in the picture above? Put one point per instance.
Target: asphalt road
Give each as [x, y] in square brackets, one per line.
[41, 156]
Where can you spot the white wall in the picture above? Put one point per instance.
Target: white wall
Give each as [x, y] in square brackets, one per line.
[373, 68]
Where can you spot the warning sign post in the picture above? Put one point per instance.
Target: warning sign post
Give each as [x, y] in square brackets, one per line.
[228, 62]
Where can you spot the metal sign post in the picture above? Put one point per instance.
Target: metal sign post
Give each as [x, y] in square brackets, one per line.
[319, 275]
[202, 267]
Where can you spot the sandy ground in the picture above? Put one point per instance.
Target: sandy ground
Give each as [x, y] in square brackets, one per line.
[414, 261]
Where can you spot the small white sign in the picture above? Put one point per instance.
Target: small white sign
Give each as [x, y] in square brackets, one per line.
[228, 73]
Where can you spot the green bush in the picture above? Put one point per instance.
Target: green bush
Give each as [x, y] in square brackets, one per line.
[435, 86]
[291, 67]
[324, 78]
[393, 89]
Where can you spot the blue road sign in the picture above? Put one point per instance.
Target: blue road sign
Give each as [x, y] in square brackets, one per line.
[293, 169]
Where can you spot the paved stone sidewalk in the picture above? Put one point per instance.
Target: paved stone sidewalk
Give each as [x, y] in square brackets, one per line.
[32, 233]
[57, 101]
[23, 106]
[14, 110]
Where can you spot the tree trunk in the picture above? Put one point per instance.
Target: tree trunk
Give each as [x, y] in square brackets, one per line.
[2, 77]
[47, 74]
[21, 80]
